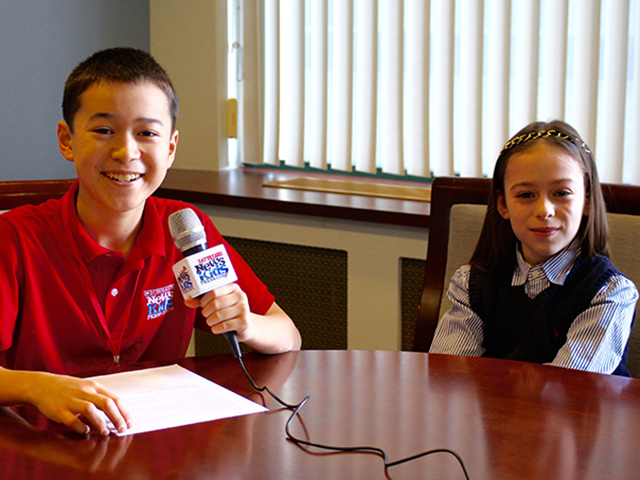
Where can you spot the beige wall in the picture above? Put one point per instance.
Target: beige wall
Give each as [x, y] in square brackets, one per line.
[373, 263]
[189, 39]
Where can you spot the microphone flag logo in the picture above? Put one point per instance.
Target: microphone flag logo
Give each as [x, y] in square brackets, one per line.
[204, 271]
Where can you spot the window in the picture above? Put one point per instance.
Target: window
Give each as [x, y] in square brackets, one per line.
[424, 88]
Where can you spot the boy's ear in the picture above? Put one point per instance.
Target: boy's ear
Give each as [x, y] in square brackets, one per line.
[501, 205]
[65, 143]
[173, 146]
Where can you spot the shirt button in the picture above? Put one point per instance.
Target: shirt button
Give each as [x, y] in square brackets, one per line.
[114, 292]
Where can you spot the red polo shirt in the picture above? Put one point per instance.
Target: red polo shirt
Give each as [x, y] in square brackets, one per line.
[50, 318]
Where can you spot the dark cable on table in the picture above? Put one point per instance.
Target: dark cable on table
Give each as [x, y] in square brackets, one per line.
[363, 449]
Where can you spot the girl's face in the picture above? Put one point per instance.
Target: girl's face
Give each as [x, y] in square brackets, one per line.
[544, 199]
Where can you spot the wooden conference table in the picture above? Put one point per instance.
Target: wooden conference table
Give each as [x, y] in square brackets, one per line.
[507, 420]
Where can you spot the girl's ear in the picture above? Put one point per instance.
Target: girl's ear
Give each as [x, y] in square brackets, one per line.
[501, 205]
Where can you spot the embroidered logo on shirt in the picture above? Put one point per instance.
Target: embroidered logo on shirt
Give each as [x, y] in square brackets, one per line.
[159, 301]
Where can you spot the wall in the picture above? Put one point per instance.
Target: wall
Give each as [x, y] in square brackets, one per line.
[373, 259]
[189, 39]
[41, 41]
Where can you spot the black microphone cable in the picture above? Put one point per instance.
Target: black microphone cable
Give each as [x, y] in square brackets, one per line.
[361, 449]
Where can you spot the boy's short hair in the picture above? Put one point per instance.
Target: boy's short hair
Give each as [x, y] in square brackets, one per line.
[120, 64]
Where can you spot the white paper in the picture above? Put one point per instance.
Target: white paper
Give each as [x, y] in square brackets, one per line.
[172, 396]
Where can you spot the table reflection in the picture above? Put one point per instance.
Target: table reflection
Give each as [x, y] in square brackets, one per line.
[29, 441]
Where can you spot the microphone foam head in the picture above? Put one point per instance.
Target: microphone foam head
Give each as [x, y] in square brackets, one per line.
[186, 229]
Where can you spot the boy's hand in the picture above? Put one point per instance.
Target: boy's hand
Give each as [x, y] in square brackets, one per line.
[66, 400]
[226, 308]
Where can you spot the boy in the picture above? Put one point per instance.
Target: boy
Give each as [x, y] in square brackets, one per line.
[86, 281]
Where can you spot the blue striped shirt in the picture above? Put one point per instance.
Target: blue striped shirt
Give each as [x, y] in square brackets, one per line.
[596, 339]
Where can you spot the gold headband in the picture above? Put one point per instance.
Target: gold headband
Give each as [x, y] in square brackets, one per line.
[543, 134]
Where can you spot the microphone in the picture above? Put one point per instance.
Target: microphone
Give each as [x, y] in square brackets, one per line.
[212, 267]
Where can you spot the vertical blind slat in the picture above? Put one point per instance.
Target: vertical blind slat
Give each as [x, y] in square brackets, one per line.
[342, 85]
[317, 119]
[582, 81]
[613, 72]
[524, 66]
[553, 59]
[250, 91]
[271, 84]
[389, 129]
[632, 139]
[495, 117]
[292, 83]
[468, 107]
[416, 98]
[441, 88]
[365, 80]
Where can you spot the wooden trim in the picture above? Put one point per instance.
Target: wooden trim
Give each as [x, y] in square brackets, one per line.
[350, 187]
[244, 188]
[33, 192]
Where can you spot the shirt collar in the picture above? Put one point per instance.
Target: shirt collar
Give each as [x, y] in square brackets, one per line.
[150, 239]
[555, 269]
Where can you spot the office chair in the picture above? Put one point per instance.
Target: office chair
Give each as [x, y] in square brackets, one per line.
[458, 206]
[33, 192]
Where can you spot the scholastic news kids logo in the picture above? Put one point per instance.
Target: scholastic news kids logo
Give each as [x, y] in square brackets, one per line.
[212, 268]
[184, 279]
[200, 273]
[159, 301]
[208, 269]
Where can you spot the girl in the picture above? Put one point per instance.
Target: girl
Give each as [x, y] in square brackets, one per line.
[539, 286]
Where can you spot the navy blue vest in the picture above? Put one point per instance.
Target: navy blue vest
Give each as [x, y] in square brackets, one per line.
[517, 327]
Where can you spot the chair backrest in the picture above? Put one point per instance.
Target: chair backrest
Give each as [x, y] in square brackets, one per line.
[445, 193]
[16, 193]
[458, 206]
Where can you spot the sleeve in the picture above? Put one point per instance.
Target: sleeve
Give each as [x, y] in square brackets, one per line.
[460, 331]
[260, 299]
[10, 275]
[598, 336]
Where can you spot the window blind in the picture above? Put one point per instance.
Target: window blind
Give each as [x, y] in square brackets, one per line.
[428, 88]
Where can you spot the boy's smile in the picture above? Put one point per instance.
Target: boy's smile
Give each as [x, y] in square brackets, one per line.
[122, 146]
